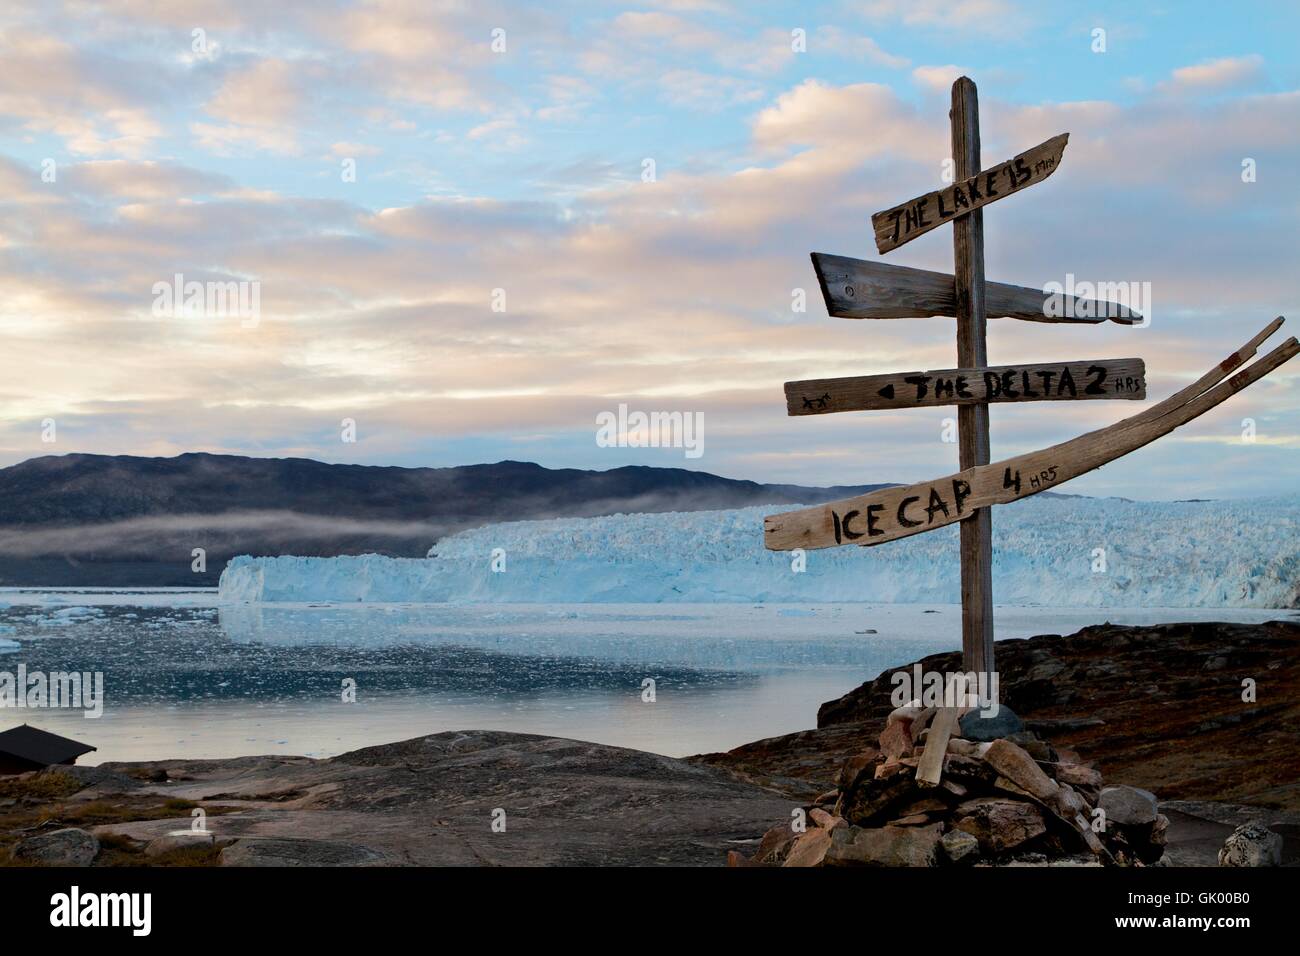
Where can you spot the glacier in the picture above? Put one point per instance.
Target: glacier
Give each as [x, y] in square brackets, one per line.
[1051, 551]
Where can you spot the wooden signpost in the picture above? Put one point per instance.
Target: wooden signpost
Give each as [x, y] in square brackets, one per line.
[858, 289]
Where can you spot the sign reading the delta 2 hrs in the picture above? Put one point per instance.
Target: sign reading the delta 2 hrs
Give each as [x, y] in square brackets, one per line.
[1058, 381]
[905, 222]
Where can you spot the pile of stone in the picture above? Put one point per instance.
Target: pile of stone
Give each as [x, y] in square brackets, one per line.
[986, 792]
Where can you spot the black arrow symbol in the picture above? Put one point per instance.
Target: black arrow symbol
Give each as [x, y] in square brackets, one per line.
[887, 391]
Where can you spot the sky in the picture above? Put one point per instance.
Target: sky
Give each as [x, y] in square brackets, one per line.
[473, 228]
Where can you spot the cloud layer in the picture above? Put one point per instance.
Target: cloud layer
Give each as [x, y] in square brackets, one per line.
[499, 269]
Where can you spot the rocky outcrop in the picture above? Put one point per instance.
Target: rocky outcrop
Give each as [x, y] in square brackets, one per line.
[1201, 711]
[467, 798]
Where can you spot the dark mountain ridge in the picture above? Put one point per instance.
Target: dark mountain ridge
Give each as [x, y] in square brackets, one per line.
[123, 520]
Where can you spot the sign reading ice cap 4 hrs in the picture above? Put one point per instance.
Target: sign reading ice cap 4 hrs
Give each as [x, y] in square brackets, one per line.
[905, 222]
[1059, 381]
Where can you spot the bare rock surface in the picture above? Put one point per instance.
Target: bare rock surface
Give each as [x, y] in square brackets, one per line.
[431, 801]
[67, 847]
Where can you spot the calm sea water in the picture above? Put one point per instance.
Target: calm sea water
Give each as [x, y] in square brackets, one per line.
[186, 678]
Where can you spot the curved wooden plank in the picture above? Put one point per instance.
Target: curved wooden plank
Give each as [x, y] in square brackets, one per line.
[894, 513]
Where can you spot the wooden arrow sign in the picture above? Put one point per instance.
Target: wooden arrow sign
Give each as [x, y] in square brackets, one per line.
[1058, 381]
[916, 217]
[858, 289]
[894, 513]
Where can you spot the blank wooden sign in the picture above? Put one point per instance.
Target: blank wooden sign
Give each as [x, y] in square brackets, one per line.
[1052, 382]
[861, 289]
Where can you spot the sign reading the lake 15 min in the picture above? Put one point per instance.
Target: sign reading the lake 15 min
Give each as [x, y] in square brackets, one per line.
[859, 289]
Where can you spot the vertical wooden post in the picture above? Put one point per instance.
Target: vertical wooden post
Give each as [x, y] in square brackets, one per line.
[972, 352]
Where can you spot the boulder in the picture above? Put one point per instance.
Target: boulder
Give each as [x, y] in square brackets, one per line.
[872, 798]
[1251, 844]
[809, 848]
[884, 846]
[974, 726]
[68, 847]
[1128, 806]
[1014, 763]
[1077, 775]
[854, 768]
[959, 846]
[775, 844]
[896, 740]
[827, 821]
[1000, 824]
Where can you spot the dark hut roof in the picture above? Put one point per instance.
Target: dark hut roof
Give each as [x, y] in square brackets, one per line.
[39, 746]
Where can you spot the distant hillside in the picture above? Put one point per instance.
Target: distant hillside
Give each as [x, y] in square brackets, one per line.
[120, 520]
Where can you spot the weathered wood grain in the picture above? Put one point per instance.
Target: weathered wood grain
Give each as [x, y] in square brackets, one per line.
[860, 289]
[972, 352]
[1048, 382]
[895, 513]
[903, 223]
[930, 768]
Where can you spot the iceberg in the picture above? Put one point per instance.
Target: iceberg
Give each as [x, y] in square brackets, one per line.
[1052, 551]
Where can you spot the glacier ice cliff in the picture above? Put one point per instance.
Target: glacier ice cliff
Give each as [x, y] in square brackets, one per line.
[1047, 551]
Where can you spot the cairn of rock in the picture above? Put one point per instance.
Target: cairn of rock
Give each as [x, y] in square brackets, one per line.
[961, 789]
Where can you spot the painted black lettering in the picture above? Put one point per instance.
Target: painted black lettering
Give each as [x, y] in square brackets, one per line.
[898, 215]
[849, 532]
[1098, 384]
[960, 492]
[936, 504]
[921, 382]
[903, 519]
[872, 530]
[1067, 381]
